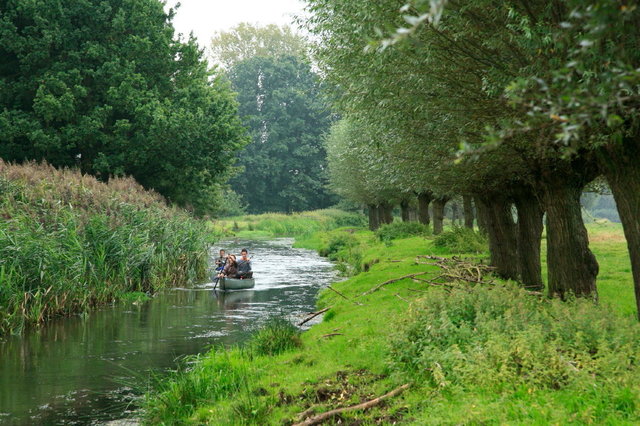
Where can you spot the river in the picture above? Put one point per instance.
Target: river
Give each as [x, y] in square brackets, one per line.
[90, 369]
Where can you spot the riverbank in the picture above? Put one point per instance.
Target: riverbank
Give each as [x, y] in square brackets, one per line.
[474, 349]
[298, 225]
[69, 243]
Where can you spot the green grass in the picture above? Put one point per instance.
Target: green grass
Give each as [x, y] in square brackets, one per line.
[301, 225]
[471, 356]
[69, 242]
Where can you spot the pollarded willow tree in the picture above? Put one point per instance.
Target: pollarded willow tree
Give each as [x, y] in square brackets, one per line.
[451, 77]
[395, 88]
[585, 94]
[360, 174]
[106, 87]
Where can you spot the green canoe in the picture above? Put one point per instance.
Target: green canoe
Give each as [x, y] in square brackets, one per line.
[236, 284]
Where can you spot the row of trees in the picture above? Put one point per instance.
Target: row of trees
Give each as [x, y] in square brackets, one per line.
[107, 87]
[514, 103]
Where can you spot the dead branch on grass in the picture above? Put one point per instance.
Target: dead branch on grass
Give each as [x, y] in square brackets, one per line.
[365, 405]
[391, 281]
[343, 296]
[312, 315]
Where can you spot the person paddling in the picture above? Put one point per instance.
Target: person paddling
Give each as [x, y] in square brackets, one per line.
[230, 270]
[221, 260]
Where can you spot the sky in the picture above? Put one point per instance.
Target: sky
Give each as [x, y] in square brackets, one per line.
[205, 17]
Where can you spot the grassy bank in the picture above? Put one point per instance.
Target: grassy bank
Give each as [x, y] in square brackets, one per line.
[470, 353]
[69, 242]
[299, 225]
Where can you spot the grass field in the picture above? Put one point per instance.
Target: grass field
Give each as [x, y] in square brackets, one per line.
[487, 354]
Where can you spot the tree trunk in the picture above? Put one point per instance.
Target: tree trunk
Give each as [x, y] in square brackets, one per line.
[374, 222]
[481, 213]
[620, 166]
[404, 211]
[438, 214]
[467, 206]
[424, 199]
[572, 268]
[413, 214]
[501, 231]
[454, 214]
[530, 227]
[386, 213]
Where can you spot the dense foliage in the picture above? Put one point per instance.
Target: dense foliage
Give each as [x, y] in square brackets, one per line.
[69, 242]
[500, 339]
[105, 86]
[510, 103]
[284, 166]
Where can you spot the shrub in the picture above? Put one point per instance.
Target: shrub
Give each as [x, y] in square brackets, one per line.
[338, 242]
[344, 249]
[397, 230]
[500, 339]
[199, 380]
[462, 240]
[277, 335]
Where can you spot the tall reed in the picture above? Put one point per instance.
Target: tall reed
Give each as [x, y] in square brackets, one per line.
[69, 242]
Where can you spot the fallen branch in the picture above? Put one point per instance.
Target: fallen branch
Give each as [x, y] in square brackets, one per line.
[365, 405]
[402, 298]
[307, 412]
[331, 335]
[343, 296]
[379, 286]
[312, 315]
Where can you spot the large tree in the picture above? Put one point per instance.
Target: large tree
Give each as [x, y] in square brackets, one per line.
[284, 167]
[244, 41]
[105, 85]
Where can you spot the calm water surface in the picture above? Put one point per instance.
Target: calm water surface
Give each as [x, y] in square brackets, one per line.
[84, 370]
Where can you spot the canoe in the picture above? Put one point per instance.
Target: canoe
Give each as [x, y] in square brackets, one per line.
[236, 284]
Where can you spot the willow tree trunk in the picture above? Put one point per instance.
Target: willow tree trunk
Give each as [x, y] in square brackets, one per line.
[424, 199]
[413, 214]
[454, 213]
[386, 213]
[438, 214]
[501, 231]
[467, 207]
[620, 165]
[572, 267]
[530, 227]
[405, 212]
[374, 221]
[481, 213]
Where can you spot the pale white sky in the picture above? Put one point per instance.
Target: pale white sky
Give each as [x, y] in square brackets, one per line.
[205, 17]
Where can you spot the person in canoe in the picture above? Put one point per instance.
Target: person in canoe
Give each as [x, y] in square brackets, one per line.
[230, 269]
[244, 265]
[221, 261]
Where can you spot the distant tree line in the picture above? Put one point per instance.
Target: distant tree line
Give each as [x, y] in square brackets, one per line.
[513, 106]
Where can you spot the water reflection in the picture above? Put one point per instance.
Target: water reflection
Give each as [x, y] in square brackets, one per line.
[82, 370]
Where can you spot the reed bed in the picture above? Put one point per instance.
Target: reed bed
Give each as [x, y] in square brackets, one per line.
[69, 242]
